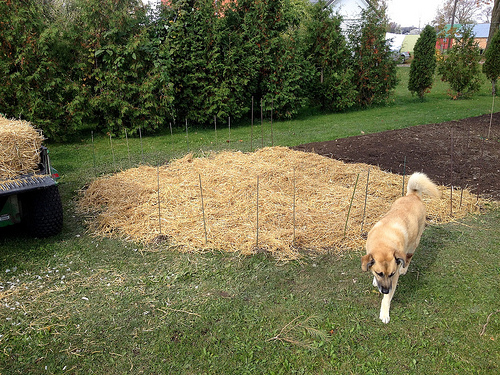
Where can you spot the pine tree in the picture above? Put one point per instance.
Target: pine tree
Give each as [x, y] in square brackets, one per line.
[423, 65]
[491, 65]
[372, 60]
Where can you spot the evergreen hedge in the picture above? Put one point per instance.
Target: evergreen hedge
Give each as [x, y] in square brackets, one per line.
[115, 65]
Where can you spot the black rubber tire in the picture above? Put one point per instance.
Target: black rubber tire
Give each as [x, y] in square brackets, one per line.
[43, 212]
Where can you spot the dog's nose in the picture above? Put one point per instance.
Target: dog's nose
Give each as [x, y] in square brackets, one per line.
[384, 290]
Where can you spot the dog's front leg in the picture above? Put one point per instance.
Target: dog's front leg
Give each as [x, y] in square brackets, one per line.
[385, 307]
[386, 301]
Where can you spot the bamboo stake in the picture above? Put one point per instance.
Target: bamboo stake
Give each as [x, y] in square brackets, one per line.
[350, 205]
[479, 176]
[491, 116]
[203, 211]
[171, 137]
[272, 132]
[404, 174]
[112, 152]
[366, 197]
[215, 125]
[128, 149]
[93, 153]
[257, 236]
[294, 199]
[187, 135]
[159, 205]
[251, 130]
[261, 123]
[451, 174]
[142, 149]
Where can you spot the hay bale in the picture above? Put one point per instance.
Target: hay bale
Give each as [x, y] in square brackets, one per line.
[19, 148]
[126, 204]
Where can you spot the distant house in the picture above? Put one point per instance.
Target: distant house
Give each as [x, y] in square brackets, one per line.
[480, 32]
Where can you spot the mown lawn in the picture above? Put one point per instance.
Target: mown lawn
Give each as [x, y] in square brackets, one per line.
[77, 304]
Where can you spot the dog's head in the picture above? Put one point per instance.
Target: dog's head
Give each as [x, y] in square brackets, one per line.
[384, 266]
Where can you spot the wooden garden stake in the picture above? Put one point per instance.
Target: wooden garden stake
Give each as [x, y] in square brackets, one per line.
[491, 117]
[294, 192]
[112, 152]
[272, 133]
[187, 135]
[159, 205]
[478, 185]
[261, 123]
[203, 211]
[404, 174]
[128, 149]
[251, 130]
[93, 152]
[479, 176]
[229, 123]
[350, 205]
[257, 236]
[451, 174]
[366, 197]
[171, 136]
[142, 149]
[215, 125]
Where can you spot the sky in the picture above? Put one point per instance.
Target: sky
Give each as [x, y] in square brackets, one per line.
[413, 13]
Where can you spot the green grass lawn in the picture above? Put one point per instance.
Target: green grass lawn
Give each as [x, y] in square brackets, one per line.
[80, 305]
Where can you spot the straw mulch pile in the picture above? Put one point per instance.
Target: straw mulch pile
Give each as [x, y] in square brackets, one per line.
[315, 189]
[19, 148]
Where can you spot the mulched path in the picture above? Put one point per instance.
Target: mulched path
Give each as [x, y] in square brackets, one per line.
[463, 153]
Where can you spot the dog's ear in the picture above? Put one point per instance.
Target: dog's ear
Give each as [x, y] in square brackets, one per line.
[402, 258]
[367, 261]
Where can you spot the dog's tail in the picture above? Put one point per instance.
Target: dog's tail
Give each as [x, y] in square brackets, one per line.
[420, 184]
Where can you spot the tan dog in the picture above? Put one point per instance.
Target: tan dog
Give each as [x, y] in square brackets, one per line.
[392, 241]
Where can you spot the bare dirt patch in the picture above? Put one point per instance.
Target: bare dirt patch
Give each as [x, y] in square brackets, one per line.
[463, 153]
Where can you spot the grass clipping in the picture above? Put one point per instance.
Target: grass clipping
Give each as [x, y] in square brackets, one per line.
[303, 203]
[19, 148]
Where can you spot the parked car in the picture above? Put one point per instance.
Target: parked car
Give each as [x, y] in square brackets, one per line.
[401, 57]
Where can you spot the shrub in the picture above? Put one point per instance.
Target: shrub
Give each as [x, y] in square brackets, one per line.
[460, 67]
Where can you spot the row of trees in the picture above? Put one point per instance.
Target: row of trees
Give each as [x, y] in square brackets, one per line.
[116, 64]
[460, 67]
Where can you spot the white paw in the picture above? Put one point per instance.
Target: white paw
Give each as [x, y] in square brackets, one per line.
[374, 282]
[384, 317]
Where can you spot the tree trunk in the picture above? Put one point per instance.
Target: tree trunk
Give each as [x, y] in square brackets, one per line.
[495, 21]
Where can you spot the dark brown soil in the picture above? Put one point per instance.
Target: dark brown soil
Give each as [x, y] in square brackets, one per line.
[464, 153]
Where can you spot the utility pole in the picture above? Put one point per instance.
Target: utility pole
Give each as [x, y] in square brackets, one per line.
[452, 24]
